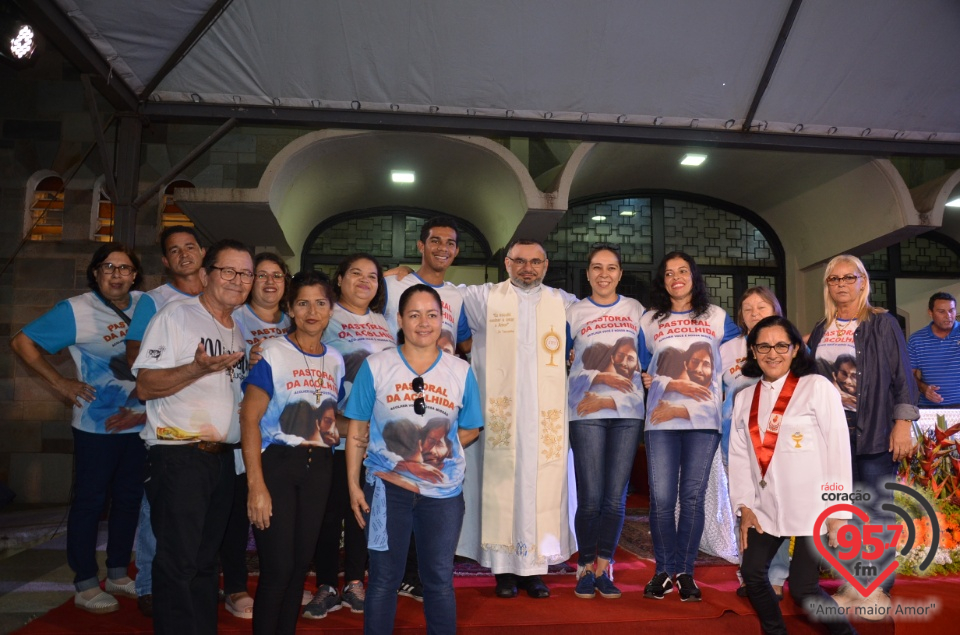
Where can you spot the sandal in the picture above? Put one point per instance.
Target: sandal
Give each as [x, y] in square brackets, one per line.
[241, 607]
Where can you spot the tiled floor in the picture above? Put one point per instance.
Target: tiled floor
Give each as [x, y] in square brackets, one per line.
[34, 576]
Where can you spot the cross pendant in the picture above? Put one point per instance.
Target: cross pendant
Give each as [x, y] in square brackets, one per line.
[763, 483]
[318, 394]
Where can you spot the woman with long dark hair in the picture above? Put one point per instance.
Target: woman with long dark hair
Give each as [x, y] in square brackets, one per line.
[109, 455]
[357, 330]
[606, 406]
[420, 407]
[681, 334]
[288, 436]
[788, 442]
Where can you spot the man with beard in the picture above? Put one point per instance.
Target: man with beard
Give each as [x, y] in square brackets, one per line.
[182, 255]
[515, 490]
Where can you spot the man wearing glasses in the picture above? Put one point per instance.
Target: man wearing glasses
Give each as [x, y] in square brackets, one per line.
[181, 259]
[189, 371]
[517, 523]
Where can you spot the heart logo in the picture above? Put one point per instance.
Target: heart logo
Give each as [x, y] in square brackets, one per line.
[838, 566]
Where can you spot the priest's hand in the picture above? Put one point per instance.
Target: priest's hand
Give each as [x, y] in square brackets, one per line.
[747, 520]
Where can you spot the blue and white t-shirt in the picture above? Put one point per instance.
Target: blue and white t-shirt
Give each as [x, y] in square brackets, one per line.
[684, 358]
[605, 381]
[424, 451]
[733, 354]
[95, 336]
[151, 302]
[455, 326]
[303, 390]
[255, 330]
[837, 359]
[356, 337]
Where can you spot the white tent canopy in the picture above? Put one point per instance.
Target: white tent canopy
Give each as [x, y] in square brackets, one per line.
[863, 70]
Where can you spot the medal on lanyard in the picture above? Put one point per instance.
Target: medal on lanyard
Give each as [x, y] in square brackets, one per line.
[764, 450]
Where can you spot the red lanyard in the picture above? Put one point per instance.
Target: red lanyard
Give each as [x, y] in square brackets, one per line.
[765, 450]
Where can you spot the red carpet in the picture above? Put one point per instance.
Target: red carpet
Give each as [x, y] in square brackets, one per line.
[481, 613]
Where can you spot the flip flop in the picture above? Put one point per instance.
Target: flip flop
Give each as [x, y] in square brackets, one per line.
[241, 607]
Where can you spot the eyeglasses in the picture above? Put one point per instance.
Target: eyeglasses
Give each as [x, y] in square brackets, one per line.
[228, 274]
[847, 279]
[107, 268]
[611, 246]
[536, 262]
[780, 347]
[419, 404]
[276, 275]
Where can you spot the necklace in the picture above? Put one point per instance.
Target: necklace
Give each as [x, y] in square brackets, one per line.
[841, 331]
[317, 381]
[223, 338]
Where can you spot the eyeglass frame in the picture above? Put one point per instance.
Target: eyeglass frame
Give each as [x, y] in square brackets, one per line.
[776, 347]
[246, 277]
[849, 279]
[107, 269]
[533, 262]
[276, 275]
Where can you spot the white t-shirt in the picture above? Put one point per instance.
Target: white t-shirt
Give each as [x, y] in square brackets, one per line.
[211, 403]
[605, 342]
[686, 350]
[837, 359]
[455, 327]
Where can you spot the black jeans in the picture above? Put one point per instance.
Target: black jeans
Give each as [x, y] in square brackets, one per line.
[339, 518]
[298, 479]
[190, 493]
[804, 584]
[233, 550]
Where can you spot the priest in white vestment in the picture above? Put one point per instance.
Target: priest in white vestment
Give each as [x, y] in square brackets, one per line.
[518, 489]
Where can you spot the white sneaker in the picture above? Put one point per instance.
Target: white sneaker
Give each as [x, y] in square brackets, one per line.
[100, 603]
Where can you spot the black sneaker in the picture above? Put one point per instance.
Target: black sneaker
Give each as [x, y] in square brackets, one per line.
[660, 585]
[411, 589]
[689, 591]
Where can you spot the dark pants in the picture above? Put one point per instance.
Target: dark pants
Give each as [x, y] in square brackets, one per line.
[339, 518]
[190, 494]
[804, 584]
[106, 465]
[233, 550]
[298, 479]
[870, 472]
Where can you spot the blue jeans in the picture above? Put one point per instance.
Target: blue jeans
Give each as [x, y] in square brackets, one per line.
[678, 465]
[146, 549]
[104, 464]
[603, 454]
[435, 523]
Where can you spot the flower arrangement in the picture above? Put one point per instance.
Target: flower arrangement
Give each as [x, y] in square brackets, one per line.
[934, 470]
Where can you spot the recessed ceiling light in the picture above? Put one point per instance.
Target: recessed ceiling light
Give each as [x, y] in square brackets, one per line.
[402, 176]
[627, 211]
[954, 203]
[693, 159]
[599, 218]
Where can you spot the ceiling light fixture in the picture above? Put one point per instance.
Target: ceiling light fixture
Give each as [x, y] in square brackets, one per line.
[954, 203]
[599, 218]
[693, 159]
[627, 211]
[402, 176]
